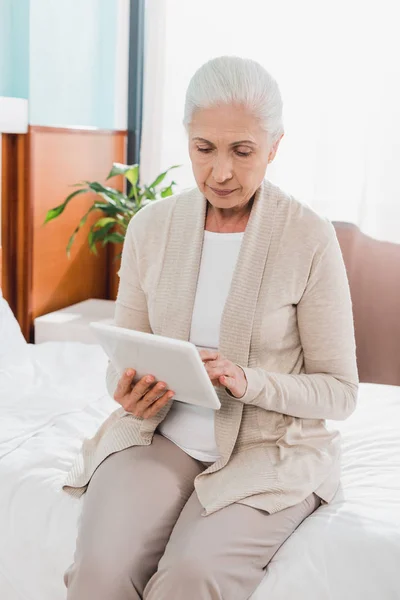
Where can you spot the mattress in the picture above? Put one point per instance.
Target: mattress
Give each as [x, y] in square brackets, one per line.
[347, 550]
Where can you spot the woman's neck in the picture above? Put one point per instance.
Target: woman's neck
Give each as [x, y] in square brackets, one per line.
[219, 220]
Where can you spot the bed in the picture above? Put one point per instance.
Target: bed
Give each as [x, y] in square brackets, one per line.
[348, 550]
[53, 395]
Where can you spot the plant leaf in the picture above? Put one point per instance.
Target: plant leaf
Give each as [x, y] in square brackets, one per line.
[80, 184]
[105, 221]
[110, 209]
[116, 238]
[148, 193]
[167, 191]
[92, 246]
[162, 176]
[98, 234]
[134, 192]
[108, 194]
[78, 227]
[133, 175]
[131, 172]
[55, 212]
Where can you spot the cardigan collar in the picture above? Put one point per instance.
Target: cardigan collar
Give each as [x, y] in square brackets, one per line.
[178, 282]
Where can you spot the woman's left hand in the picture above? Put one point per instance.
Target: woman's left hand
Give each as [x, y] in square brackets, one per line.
[224, 372]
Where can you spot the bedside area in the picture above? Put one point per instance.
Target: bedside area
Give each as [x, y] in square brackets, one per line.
[71, 324]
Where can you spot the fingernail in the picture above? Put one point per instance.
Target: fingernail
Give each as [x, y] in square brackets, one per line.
[149, 379]
[129, 373]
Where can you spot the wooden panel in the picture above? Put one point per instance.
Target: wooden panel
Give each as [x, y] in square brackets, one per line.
[38, 169]
[16, 226]
[60, 158]
[9, 193]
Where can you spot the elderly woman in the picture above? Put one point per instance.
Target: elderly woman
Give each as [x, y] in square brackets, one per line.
[185, 503]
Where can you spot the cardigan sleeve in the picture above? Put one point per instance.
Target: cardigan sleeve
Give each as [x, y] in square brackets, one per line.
[328, 387]
[131, 304]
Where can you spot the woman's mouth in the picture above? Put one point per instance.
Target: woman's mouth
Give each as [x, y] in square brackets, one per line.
[222, 192]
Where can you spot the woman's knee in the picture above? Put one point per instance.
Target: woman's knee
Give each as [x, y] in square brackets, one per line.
[101, 577]
[186, 578]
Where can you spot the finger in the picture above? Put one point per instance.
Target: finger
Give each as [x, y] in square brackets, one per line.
[212, 363]
[221, 362]
[217, 369]
[124, 384]
[215, 376]
[229, 382]
[224, 364]
[158, 405]
[213, 367]
[152, 395]
[139, 390]
[207, 355]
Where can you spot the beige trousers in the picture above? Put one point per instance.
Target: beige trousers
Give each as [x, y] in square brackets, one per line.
[142, 536]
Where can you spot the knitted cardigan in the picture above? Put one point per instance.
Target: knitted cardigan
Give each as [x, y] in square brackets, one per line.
[287, 322]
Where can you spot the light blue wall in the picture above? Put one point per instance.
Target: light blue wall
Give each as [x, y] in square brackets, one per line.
[61, 55]
[72, 62]
[14, 48]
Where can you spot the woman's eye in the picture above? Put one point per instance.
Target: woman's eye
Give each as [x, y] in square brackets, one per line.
[241, 153]
[204, 150]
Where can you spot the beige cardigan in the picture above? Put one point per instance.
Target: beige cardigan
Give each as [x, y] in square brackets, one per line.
[287, 321]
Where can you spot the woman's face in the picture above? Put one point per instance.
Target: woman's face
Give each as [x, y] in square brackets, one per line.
[229, 153]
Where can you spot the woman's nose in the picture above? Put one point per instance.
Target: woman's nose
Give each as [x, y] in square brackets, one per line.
[222, 170]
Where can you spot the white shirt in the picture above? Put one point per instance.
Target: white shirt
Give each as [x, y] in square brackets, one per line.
[192, 427]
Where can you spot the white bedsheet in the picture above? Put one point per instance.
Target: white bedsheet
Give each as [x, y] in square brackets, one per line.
[348, 550]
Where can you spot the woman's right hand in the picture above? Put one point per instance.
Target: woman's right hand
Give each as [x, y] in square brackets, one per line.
[144, 398]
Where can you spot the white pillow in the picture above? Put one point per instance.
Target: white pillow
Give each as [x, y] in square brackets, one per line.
[17, 372]
[11, 339]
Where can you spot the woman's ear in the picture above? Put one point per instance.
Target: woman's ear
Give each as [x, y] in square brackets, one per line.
[274, 149]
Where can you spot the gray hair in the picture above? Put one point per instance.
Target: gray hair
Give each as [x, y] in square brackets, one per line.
[234, 80]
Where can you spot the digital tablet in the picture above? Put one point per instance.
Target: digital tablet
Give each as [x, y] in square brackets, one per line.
[175, 362]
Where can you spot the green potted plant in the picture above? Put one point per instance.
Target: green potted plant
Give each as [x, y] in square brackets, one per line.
[117, 207]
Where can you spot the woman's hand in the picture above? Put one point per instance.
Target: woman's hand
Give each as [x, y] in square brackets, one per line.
[224, 372]
[144, 398]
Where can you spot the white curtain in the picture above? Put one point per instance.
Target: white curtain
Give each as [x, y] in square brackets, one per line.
[338, 68]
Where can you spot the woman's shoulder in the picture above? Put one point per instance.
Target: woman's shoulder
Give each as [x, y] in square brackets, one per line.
[153, 212]
[155, 215]
[301, 221]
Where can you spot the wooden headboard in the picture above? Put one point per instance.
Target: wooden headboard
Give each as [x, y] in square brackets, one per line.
[373, 269]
